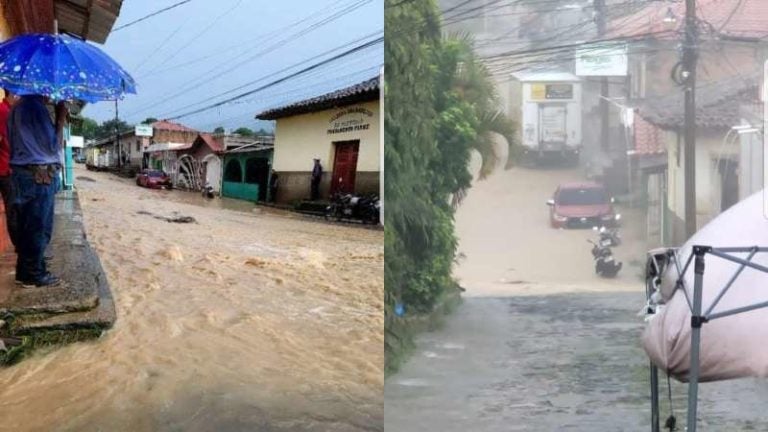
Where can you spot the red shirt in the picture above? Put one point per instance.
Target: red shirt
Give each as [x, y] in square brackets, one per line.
[5, 144]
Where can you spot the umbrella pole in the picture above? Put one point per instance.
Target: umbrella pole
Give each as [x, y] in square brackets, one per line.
[696, 322]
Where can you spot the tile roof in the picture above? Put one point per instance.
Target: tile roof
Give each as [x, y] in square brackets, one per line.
[718, 105]
[362, 92]
[210, 141]
[742, 19]
[171, 126]
[648, 139]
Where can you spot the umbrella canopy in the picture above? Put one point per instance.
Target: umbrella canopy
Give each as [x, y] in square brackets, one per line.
[61, 67]
[731, 347]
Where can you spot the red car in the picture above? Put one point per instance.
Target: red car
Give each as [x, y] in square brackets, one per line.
[154, 179]
[581, 205]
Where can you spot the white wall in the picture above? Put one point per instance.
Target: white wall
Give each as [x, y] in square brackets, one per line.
[299, 139]
[708, 149]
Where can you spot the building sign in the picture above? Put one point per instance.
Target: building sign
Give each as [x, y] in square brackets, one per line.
[602, 60]
[143, 130]
[350, 120]
[551, 91]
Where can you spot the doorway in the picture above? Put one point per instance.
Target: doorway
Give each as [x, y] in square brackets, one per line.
[344, 166]
[729, 183]
[257, 172]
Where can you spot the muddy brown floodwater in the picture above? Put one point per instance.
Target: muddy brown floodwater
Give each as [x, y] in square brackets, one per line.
[540, 342]
[243, 320]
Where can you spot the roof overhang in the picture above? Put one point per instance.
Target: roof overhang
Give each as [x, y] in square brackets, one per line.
[87, 19]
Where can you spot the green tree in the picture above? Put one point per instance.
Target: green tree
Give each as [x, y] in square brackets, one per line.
[219, 130]
[86, 127]
[108, 128]
[244, 131]
[441, 106]
[149, 120]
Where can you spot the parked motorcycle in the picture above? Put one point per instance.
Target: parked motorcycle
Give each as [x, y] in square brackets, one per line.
[608, 236]
[349, 206]
[207, 191]
[605, 264]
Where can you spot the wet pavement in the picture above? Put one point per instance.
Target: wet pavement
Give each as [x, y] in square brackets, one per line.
[541, 343]
[244, 319]
[565, 362]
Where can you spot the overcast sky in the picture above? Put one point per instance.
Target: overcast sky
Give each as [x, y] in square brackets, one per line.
[185, 58]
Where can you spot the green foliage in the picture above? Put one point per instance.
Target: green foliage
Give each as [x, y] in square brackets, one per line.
[244, 131]
[86, 127]
[149, 120]
[219, 130]
[440, 106]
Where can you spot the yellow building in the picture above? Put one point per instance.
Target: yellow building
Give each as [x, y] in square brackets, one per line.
[342, 129]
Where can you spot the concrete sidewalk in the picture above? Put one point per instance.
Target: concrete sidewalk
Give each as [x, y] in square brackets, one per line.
[79, 308]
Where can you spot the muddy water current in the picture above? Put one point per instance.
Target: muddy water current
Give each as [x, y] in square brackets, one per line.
[244, 319]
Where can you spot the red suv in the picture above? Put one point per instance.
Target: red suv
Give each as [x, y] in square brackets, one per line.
[581, 205]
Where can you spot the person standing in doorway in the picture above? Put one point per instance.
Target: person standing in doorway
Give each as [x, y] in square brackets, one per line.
[6, 188]
[273, 183]
[35, 169]
[317, 175]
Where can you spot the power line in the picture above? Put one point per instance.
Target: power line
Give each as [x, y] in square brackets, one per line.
[242, 45]
[202, 32]
[150, 15]
[283, 70]
[205, 77]
[286, 78]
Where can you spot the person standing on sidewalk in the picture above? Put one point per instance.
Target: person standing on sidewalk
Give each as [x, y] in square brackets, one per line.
[317, 175]
[5, 167]
[273, 185]
[35, 168]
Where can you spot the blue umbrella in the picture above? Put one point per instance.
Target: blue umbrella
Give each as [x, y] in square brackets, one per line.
[61, 67]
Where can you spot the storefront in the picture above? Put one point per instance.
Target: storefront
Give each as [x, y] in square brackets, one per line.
[341, 129]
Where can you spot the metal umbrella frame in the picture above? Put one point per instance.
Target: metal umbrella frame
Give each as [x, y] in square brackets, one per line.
[658, 260]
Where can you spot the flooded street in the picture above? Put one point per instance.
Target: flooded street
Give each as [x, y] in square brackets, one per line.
[245, 319]
[540, 342]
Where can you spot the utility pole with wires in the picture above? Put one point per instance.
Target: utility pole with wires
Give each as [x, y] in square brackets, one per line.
[117, 138]
[604, 107]
[688, 74]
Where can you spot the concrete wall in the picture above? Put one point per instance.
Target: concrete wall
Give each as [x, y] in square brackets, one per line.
[295, 186]
[301, 138]
[710, 147]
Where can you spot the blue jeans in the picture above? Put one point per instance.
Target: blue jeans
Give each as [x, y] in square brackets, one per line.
[33, 209]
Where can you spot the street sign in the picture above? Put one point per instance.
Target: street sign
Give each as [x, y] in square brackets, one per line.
[602, 60]
[143, 130]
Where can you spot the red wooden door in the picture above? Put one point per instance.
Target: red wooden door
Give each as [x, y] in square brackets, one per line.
[345, 167]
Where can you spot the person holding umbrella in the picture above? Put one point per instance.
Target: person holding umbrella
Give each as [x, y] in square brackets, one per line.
[35, 167]
[42, 69]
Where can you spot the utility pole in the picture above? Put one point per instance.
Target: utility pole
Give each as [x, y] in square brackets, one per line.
[117, 138]
[604, 108]
[690, 56]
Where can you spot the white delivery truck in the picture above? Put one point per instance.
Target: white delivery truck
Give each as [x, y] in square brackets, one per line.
[549, 114]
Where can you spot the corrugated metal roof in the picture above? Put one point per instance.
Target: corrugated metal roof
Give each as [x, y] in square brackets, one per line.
[362, 92]
[251, 148]
[90, 19]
